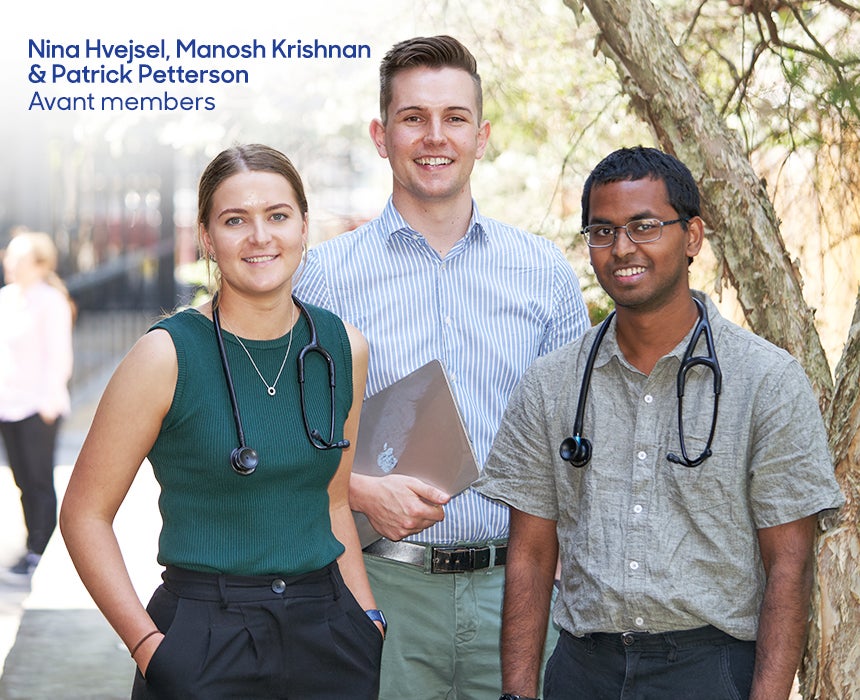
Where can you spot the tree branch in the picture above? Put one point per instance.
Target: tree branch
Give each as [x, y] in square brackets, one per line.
[850, 10]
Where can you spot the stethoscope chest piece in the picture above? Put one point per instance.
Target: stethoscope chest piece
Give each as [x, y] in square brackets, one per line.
[244, 460]
[576, 450]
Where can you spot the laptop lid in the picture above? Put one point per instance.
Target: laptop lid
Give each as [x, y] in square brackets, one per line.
[414, 427]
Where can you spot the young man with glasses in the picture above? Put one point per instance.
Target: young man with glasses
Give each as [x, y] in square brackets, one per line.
[432, 278]
[684, 524]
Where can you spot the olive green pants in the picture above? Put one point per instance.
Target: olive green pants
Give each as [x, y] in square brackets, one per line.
[443, 632]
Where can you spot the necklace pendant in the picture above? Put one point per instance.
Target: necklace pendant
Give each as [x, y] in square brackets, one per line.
[270, 390]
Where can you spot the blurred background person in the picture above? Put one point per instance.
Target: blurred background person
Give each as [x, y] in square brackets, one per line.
[36, 318]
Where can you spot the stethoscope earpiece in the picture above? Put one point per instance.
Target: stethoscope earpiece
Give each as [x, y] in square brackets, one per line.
[315, 436]
[576, 450]
[339, 445]
[244, 460]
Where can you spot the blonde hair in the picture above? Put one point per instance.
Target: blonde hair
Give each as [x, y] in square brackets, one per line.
[45, 255]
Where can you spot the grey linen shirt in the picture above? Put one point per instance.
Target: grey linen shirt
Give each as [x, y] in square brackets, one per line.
[648, 545]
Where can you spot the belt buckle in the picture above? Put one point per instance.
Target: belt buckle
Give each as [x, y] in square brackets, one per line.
[458, 560]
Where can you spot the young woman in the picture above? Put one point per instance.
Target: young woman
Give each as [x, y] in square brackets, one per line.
[36, 316]
[245, 408]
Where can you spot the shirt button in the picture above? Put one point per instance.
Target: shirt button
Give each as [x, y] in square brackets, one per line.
[637, 508]
[639, 621]
[634, 565]
[642, 454]
[447, 320]
[648, 398]
[279, 585]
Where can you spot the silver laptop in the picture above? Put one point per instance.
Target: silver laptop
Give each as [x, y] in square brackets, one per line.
[414, 427]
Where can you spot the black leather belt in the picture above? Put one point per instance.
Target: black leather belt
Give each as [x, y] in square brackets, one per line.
[434, 559]
[659, 641]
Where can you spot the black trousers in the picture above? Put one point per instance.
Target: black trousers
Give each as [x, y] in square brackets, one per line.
[260, 637]
[30, 445]
[699, 664]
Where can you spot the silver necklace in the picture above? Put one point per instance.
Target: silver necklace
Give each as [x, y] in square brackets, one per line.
[270, 389]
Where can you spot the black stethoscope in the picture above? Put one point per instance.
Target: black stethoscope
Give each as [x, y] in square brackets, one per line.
[244, 459]
[577, 449]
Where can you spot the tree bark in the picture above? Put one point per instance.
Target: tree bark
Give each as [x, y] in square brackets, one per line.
[830, 665]
[744, 233]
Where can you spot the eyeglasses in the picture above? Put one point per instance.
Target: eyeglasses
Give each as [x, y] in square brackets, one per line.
[638, 231]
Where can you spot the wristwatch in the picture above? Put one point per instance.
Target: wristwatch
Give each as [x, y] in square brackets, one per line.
[511, 696]
[377, 616]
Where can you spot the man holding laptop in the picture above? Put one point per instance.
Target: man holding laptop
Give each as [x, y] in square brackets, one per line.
[400, 433]
[432, 278]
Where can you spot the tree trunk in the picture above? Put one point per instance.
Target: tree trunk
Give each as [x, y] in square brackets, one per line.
[831, 666]
[744, 233]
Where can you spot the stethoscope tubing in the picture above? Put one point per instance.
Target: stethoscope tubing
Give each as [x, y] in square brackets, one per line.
[243, 459]
[577, 449]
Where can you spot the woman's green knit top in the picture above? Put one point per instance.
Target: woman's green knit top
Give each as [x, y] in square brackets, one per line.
[275, 520]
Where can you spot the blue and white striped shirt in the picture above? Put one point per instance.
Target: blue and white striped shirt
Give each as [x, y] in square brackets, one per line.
[500, 298]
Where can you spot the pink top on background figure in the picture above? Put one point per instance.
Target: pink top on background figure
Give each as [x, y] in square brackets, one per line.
[35, 333]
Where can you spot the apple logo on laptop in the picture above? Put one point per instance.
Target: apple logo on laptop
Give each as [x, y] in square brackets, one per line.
[386, 460]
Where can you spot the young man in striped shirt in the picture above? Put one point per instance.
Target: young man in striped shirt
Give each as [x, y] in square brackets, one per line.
[432, 278]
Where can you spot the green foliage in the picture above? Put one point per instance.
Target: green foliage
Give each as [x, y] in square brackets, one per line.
[598, 310]
[776, 76]
[197, 278]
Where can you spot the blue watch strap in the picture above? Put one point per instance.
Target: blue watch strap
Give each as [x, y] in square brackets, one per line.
[377, 616]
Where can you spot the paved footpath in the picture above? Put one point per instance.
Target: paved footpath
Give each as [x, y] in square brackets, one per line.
[55, 643]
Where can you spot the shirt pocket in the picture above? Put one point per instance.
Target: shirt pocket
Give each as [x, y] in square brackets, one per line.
[715, 483]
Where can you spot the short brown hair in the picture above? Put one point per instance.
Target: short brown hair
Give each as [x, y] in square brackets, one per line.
[440, 51]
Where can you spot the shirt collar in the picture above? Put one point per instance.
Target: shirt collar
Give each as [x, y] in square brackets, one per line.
[609, 347]
[393, 222]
